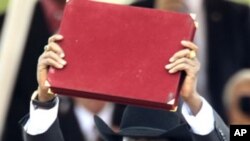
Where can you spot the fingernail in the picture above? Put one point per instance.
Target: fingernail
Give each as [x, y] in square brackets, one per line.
[183, 42]
[47, 84]
[59, 36]
[62, 55]
[171, 60]
[60, 66]
[171, 71]
[168, 66]
[63, 62]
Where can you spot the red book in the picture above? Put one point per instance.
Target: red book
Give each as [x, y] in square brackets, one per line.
[118, 53]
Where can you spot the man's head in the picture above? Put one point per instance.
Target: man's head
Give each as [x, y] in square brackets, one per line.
[143, 124]
[237, 98]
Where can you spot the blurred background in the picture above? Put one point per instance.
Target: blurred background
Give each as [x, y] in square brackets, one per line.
[223, 38]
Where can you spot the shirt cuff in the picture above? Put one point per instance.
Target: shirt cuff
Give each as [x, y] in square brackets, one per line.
[40, 120]
[203, 122]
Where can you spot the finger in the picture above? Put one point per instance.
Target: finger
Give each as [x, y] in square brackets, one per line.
[50, 62]
[180, 61]
[189, 45]
[56, 48]
[55, 37]
[55, 57]
[179, 54]
[181, 67]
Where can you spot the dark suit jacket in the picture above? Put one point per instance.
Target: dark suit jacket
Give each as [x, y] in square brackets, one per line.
[220, 133]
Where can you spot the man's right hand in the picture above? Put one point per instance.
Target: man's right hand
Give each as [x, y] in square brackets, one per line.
[52, 57]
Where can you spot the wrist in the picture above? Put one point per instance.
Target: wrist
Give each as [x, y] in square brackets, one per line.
[194, 102]
[45, 95]
[190, 97]
[42, 104]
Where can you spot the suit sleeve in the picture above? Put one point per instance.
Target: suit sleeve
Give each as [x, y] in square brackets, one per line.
[42, 124]
[52, 134]
[220, 132]
[207, 124]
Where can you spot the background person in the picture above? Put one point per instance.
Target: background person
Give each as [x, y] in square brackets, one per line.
[237, 98]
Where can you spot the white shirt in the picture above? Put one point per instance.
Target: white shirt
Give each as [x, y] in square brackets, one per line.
[86, 120]
[41, 119]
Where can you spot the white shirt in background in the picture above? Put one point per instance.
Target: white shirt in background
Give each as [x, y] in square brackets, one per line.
[86, 120]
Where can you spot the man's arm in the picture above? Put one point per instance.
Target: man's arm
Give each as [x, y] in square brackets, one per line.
[206, 125]
[42, 124]
[52, 134]
[204, 122]
[220, 132]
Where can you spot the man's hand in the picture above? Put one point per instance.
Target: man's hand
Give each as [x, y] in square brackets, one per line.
[181, 61]
[52, 57]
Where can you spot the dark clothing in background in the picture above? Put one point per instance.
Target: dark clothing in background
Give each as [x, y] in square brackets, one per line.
[228, 29]
[1, 22]
[26, 80]
[26, 83]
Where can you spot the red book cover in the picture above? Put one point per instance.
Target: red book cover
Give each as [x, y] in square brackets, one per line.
[118, 53]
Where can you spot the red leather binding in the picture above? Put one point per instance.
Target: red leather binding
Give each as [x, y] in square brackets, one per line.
[118, 53]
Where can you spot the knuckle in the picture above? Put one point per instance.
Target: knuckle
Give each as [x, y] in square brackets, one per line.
[49, 53]
[52, 45]
[187, 51]
[50, 39]
[47, 61]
